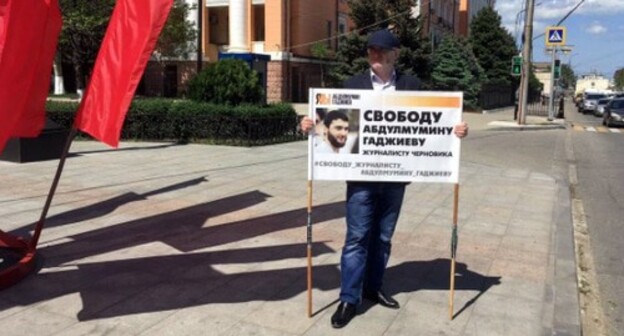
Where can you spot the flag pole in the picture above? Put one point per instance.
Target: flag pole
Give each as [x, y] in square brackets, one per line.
[453, 249]
[309, 247]
[57, 177]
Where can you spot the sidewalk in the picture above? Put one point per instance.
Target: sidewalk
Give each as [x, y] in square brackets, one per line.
[159, 239]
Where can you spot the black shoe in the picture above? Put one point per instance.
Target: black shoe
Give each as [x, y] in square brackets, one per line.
[381, 298]
[344, 314]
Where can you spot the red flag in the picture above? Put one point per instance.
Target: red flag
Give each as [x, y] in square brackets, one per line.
[129, 41]
[29, 31]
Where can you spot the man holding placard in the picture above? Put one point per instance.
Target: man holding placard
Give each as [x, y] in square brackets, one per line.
[373, 207]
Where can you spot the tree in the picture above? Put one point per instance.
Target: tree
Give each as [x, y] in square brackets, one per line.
[229, 81]
[84, 26]
[85, 23]
[535, 86]
[371, 15]
[568, 78]
[178, 36]
[455, 68]
[320, 51]
[493, 46]
[618, 78]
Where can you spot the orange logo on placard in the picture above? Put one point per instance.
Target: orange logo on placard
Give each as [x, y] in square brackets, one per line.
[323, 99]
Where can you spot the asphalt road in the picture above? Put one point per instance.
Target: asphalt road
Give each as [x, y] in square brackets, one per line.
[600, 168]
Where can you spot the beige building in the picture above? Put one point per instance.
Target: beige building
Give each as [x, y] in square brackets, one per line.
[543, 74]
[591, 82]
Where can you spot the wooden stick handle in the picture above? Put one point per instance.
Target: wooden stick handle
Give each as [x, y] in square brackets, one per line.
[452, 292]
[309, 248]
[453, 250]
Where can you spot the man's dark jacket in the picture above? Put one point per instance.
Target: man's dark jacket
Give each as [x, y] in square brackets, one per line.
[363, 82]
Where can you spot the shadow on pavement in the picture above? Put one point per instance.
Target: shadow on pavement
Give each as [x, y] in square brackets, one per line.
[434, 274]
[110, 288]
[104, 207]
[184, 229]
[166, 145]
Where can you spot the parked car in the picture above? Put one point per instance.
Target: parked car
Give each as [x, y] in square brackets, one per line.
[614, 113]
[599, 111]
[591, 101]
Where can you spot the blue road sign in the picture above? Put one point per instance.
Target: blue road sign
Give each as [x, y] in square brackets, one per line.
[555, 36]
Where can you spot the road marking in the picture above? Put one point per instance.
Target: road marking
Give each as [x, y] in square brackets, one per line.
[595, 129]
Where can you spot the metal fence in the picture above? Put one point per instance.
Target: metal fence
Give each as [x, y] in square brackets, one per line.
[217, 129]
[493, 96]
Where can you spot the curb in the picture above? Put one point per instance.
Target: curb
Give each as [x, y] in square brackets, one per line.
[511, 125]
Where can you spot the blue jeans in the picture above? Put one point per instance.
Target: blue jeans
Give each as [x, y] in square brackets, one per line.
[372, 213]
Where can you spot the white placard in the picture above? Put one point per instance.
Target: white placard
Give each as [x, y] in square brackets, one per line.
[399, 136]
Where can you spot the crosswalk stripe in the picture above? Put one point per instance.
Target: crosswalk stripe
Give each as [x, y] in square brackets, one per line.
[595, 129]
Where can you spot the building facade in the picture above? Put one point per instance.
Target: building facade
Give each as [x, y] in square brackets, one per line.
[281, 33]
[442, 17]
[592, 82]
[277, 38]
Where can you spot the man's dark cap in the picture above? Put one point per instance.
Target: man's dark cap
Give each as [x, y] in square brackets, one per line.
[383, 39]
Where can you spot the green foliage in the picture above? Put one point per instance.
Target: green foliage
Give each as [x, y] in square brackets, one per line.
[350, 59]
[568, 78]
[187, 120]
[455, 68]
[84, 26]
[618, 78]
[228, 81]
[535, 86]
[371, 15]
[493, 46]
[178, 35]
[321, 51]
[85, 23]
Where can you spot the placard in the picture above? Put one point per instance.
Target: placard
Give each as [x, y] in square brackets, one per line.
[393, 136]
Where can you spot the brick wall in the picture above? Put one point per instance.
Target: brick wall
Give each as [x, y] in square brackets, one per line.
[153, 83]
[276, 71]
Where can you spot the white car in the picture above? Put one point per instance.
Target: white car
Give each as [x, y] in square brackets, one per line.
[600, 107]
[590, 102]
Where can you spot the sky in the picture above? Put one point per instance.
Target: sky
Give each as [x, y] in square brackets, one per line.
[595, 31]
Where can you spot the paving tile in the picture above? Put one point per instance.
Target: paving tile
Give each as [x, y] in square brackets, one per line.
[127, 252]
[34, 322]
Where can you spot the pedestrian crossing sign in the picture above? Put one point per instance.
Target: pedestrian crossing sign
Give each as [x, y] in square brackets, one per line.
[555, 36]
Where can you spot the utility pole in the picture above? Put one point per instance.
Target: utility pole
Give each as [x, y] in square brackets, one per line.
[526, 60]
[551, 100]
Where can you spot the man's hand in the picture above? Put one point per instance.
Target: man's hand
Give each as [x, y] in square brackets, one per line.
[461, 129]
[306, 124]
